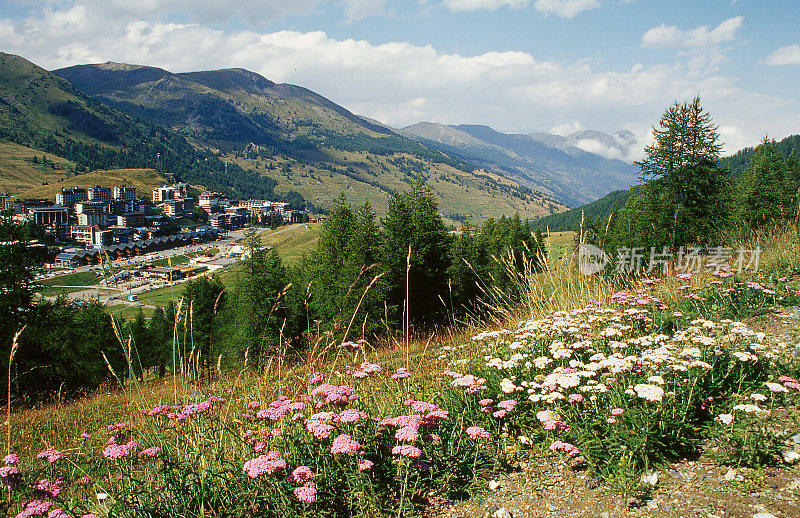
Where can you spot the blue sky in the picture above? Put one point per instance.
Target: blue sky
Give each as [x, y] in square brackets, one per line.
[517, 65]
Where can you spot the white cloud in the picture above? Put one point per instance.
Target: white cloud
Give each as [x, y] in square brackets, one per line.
[564, 8]
[788, 55]
[565, 128]
[671, 37]
[401, 83]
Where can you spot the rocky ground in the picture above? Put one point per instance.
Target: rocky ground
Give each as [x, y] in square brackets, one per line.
[551, 487]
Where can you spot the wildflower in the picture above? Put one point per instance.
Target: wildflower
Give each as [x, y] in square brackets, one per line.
[725, 419]
[776, 387]
[51, 454]
[264, 464]
[617, 411]
[401, 373]
[57, 513]
[306, 493]
[316, 378]
[117, 451]
[574, 398]
[566, 447]
[301, 474]
[85, 436]
[477, 432]
[90, 515]
[611, 420]
[507, 405]
[150, 452]
[11, 458]
[750, 409]
[407, 434]
[35, 508]
[406, 450]
[759, 398]
[365, 465]
[118, 426]
[84, 480]
[649, 392]
[790, 457]
[420, 465]
[351, 415]
[344, 444]
[370, 368]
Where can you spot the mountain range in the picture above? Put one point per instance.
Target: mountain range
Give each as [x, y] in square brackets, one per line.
[544, 162]
[235, 131]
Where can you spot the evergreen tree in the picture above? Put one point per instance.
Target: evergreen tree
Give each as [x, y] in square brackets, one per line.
[683, 199]
[157, 353]
[260, 302]
[765, 192]
[204, 296]
[413, 225]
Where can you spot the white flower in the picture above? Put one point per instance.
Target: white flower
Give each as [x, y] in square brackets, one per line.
[776, 387]
[746, 356]
[790, 457]
[658, 380]
[750, 409]
[760, 398]
[649, 392]
[725, 419]
[507, 386]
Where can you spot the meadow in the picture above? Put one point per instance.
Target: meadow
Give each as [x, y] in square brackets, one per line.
[620, 375]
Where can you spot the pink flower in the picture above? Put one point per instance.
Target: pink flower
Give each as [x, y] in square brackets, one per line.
[90, 515]
[370, 368]
[316, 378]
[406, 450]
[365, 465]
[407, 434]
[116, 451]
[477, 432]
[118, 426]
[611, 420]
[11, 458]
[150, 452]
[51, 454]
[565, 447]
[84, 480]
[507, 405]
[485, 402]
[301, 474]
[617, 411]
[401, 373]
[351, 415]
[57, 513]
[574, 398]
[35, 508]
[264, 464]
[85, 436]
[344, 444]
[306, 493]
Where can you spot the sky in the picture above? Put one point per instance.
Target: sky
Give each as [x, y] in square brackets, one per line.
[519, 66]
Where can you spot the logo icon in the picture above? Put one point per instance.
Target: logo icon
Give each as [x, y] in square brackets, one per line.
[591, 259]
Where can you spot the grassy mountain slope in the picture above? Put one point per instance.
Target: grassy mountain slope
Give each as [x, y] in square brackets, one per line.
[29, 173]
[301, 140]
[549, 165]
[45, 112]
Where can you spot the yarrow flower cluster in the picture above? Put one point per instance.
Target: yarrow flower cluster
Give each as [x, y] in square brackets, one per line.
[264, 464]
